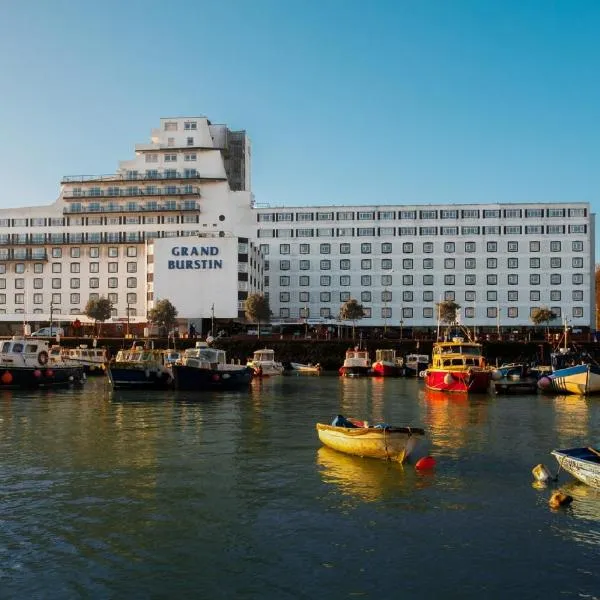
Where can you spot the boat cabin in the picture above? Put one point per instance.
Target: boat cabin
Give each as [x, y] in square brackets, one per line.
[24, 352]
[385, 355]
[204, 357]
[262, 356]
[457, 353]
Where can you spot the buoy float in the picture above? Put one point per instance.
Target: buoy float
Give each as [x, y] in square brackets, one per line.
[559, 499]
[425, 463]
[7, 377]
[544, 383]
[37, 373]
[49, 373]
[496, 375]
[541, 473]
[215, 377]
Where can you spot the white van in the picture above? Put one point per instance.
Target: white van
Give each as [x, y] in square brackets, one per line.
[48, 332]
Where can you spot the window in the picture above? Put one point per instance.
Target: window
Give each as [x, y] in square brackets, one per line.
[19, 284]
[94, 282]
[428, 263]
[305, 265]
[20, 268]
[449, 263]
[407, 263]
[470, 280]
[577, 312]
[577, 262]
[365, 264]
[365, 280]
[407, 247]
[325, 265]
[492, 246]
[407, 296]
[577, 295]
[38, 283]
[469, 312]
[56, 252]
[492, 263]
[492, 312]
[284, 248]
[56, 267]
[284, 265]
[325, 296]
[345, 264]
[470, 246]
[344, 296]
[492, 279]
[94, 252]
[555, 262]
[113, 282]
[449, 296]
[386, 296]
[513, 279]
[304, 248]
[284, 296]
[577, 278]
[534, 295]
[386, 248]
[513, 295]
[449, 246]
[577, 246]
[512, 246]
[554, 246]
[38, 268]
[113, 252]
[75, 283]
[555, 295]
[365, 248]
[344, 248]
[56, 283]
[386, 264]
[406, 280]
[132, 282]
[75, 267]
[428, 296]
[365, 296]
[534, 263]
[325, 280]
[284, 280]
[131, 251]
[345, 280]
[534, 279]
[449, 279]
[427, 247]
[512, 312]
[470, 263]
[325, 248]
[427, 279]
[513, 263]
[492, 295]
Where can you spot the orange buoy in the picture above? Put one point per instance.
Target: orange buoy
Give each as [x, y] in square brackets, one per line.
[559, 499]
[7, 377]
[425, 463]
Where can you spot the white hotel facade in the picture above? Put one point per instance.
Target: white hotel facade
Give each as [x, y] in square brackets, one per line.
[178, 220]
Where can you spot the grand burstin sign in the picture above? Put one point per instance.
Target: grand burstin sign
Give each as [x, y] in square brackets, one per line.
[190, 258]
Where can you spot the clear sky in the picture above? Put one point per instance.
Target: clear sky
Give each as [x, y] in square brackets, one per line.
[346, 101]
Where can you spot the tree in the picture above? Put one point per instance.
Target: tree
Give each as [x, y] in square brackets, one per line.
[542, 315]
[351, 310]
[257, 309]
[448, 311]
[164, 315]
[100, 310]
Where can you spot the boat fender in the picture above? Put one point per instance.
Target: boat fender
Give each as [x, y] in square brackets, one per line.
[448, 379]
[42, 357]
[7, 377]
[559, 499]
[37, 373]
[544, 383]
[425, 463]
[542, 474]
[215, 377]
[496, 374]
[147, 373]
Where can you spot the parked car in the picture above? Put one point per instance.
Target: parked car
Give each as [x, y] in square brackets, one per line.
[48, 332]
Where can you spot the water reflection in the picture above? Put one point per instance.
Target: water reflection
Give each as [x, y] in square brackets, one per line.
[449, 417]
[571, 418]
[366, 479]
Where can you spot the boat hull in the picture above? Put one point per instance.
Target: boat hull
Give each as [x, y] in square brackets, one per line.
[355, 371]
[471, 381]
[413, 369]
[579, 379]
[200, 380]
[520, 386]
[385, 369]
[48, 376]
[581, 463]
[396, 443]
[138, 378]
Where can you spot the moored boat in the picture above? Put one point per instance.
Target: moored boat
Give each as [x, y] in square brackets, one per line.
[415, 364]
[139, 367]
[384, 442]
[204, 368]
[572, 373]
[31, 363]
[581, 463]
[458, 366]
[308, 369]
[356, 363]
[263, 363]
[387, 364]
[93, 360]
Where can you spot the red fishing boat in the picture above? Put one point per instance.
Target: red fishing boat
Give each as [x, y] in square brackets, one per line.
[458, 366]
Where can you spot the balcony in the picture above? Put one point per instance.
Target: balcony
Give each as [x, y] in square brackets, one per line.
[22, 254]
[123, 208]
[118, 177]
[133, 193]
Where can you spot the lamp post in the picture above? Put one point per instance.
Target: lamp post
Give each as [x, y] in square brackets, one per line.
[128, 309]
[212, 319]
[401, 321]
[305, 321]
[51, 314]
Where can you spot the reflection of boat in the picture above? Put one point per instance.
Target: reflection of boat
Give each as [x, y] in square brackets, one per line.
[264, 364]
[30, 362]
[308, 369]
[204, 368]
[516, 384]
[582, 463]
[415, 363]
[457, 366]
[356, 363]
[139, 368]
[387, 364]
[366, 479]
[391, 443]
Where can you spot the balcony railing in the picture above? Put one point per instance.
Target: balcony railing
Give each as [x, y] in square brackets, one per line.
[123, 208]
[125, 193]
[10, 254]
[116, 177]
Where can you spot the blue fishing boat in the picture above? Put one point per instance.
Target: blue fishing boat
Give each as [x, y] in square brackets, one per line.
[582, 463]
[568, 377]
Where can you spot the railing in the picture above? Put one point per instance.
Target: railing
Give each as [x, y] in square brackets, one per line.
[129, 193]
[137, 177]
[126, 209]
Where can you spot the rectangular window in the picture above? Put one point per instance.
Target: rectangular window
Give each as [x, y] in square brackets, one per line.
[534, 246]
[284, 296]
[513, 263]
[534, 279]
[577, 262]
[512, 312]
[534, 262]
[427, 279]
[407, 263]
[407, 296]
[492, 279]
[428, 263]
[325, 296]
[325, 280]
[449, 279]
[534, 295]
[428, 312]
[470, 280]
[365, 296]
[365, 280]
[386, 248]
[492, 312]
[325, 265]
[365, 264]
[449, 263]
[513, 279]
[406, 280]
[512, 246]
[428, 296]
[470, 247]
[407, 247]
[492, 246]
[577, 246]
[513, 295]
[555, 247]
[492, 263]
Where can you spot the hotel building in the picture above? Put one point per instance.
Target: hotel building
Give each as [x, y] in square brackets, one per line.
[178, 221]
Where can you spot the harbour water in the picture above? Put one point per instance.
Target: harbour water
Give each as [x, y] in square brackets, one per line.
[158, 495]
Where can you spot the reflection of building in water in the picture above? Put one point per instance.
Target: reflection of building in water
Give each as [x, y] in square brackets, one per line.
[355, 393]
[571, 419]
[449, 417]
[377, 399]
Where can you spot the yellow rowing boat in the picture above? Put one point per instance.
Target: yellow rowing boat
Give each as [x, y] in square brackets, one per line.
[390, 443]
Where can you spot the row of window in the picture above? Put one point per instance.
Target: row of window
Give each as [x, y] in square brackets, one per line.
[75, 298]
[152, 157]
[148, 190]
[425, 214]
[56, 283]
[420, 231]
[492, 312]
[490, 279]
[174, 125]
[427, 247]
[409, 296]
[386, 264]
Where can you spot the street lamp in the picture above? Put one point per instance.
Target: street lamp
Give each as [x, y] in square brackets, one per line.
[128, 309]
[51, 314]
[401, 321]
[212, 320]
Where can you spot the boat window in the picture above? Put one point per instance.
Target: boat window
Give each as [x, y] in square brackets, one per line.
[31, 348]
[447, 363]
[6, 347]
[17, 348]
[457, 361]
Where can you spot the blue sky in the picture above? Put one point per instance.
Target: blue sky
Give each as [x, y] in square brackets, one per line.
[346, 102]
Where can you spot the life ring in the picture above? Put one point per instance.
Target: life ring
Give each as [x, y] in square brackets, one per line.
[43, 357]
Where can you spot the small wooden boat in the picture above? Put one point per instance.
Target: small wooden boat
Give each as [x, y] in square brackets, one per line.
[308, 369]
[390, 443]
[582, 463]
